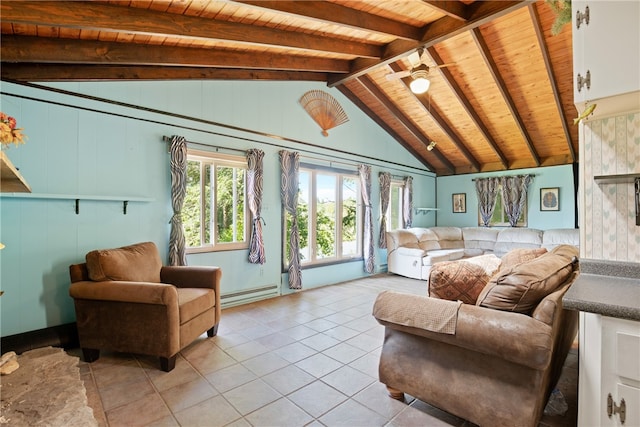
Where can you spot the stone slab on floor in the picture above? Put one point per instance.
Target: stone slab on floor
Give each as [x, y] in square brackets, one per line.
[46, 390]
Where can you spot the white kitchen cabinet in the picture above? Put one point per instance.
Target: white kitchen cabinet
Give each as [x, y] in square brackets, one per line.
[607, 48]
[609, 365]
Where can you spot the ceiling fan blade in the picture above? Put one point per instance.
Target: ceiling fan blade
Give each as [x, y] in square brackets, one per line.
[442, 65]
[398, 75]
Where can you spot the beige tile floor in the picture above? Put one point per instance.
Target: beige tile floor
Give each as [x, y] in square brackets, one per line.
[306, 359]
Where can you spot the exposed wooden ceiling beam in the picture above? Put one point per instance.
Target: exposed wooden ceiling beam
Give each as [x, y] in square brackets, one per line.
[480, 12]
[495, 73]
[406, 122]
[365, 108]
[432, 109]
[464, 101]
[109, 18]
[454, 9]
[52, 50]
[533, 12]
[335, 13]
[63, 72]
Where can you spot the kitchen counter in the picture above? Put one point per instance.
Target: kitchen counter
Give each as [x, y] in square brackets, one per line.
[609, 288]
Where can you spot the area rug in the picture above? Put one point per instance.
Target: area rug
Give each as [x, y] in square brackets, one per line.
[46, 390]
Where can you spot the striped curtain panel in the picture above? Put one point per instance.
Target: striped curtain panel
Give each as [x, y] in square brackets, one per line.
[385, 195]
[487, 191]
[178, 166]
[290, 165]
[367, 239]
[407, 202]
[255, 173]
[514, 195]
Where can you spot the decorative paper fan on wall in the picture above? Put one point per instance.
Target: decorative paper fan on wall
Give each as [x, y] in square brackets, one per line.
[323, 109]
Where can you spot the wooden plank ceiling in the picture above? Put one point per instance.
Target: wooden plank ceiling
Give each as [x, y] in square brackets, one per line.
[504, 102]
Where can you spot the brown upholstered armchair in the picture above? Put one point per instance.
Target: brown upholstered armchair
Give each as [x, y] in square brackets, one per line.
[125, 300]
[494, 363]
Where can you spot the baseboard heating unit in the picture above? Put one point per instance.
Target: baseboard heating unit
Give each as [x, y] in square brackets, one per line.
[249, 295]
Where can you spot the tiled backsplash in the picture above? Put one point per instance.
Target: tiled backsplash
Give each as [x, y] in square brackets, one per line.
[610, 146]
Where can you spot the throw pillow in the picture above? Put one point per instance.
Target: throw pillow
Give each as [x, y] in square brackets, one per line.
[521, 287]
[462, 280]
[518, 256]
[135, 263]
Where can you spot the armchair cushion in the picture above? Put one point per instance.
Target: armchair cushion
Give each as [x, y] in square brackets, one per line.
[462, 280]
[194, 301]
[135, 263]
[521, 287]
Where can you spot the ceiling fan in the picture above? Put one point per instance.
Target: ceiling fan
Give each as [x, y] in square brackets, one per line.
[418, 72]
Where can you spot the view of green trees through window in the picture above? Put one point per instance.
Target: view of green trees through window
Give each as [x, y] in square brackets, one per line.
[328, 221]
[206, 210]
[499, 217]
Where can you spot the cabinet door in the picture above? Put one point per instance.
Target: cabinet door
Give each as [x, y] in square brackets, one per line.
[620, 371]
[608, 47]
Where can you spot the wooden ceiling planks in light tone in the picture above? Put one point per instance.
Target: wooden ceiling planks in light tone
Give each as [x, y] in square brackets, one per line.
[505, 102]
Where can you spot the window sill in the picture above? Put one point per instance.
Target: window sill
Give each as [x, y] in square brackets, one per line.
[330, 263]
[217, 248]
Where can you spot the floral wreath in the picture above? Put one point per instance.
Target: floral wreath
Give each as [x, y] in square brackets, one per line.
[9, 134]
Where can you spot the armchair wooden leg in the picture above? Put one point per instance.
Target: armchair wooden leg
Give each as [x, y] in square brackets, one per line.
[168, 363]
[213, 331]
[90, 354]
[395, 394]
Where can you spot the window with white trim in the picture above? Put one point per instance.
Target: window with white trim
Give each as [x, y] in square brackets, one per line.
[396, 205]
[329, 216]
[215, 215]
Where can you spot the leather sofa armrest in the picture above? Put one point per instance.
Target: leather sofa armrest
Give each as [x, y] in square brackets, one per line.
[192, 277]
[511, 336]
[131, 292]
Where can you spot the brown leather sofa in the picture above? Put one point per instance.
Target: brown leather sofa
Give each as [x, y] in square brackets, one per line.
[494, 363]
[126, 301]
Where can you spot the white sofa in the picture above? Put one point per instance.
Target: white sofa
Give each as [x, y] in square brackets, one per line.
[411, 252]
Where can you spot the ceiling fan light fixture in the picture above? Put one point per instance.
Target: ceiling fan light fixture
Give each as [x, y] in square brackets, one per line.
[419, 83]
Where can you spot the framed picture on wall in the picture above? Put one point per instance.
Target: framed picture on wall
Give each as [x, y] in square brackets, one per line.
[549, 199]
[459, 202]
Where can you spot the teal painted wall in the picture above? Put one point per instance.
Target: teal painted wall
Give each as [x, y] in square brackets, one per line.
[552, 176]
[85, 147]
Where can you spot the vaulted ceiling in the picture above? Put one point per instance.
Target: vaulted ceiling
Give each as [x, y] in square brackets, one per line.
[503, 100]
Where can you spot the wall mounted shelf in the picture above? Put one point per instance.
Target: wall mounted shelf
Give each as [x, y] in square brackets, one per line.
[10, 178]
[616, 178]
[425, 211]
[77, 198]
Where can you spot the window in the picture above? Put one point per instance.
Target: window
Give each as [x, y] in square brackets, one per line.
[396, 202]
[214, 213]
[329, 216]
[499, 217]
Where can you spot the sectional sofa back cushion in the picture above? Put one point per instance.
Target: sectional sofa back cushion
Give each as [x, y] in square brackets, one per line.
[427, 239]
[400, 238]
[561, 236]
[514, 238]
[462, 280]
[135, 263]
[520, 288]
[449, 237]
[479, 240]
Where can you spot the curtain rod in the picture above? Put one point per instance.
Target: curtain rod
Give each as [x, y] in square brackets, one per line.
[168, 139]
[504, 176]
[341, 161]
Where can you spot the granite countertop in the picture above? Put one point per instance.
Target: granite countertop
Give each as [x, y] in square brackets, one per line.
[609, 288]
